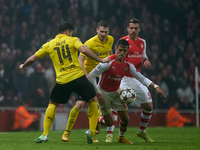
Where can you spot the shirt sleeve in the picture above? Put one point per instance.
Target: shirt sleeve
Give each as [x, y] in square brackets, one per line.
[145, 81]
[43, 51]
[144, 55]
[99, 69]
[78, 43]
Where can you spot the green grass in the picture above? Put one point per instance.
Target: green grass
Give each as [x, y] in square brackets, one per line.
[186, 138]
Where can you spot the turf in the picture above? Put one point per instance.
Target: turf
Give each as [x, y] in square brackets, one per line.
[186, 138]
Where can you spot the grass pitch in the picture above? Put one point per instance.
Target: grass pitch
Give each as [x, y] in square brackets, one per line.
[186, 138]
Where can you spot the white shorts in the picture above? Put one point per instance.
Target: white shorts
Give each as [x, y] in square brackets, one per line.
[112, 101]
[142, 93]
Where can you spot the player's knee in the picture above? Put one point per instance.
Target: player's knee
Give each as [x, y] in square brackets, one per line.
[94, 99]
[79, 104]
[125, 119]
[110, 122]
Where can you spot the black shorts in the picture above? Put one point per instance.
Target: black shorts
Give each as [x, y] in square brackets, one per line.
[82, 86]
[78, 97]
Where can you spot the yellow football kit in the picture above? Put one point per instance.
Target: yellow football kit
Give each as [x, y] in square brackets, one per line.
[101, 49]
[64, 55]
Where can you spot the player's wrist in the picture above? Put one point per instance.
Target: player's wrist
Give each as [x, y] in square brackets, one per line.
[155, 86]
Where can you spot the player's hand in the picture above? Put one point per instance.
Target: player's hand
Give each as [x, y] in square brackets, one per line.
[160, 92]
[147, 64]
[100, 98]
[87, 76]
[21, 67]
[106, 60]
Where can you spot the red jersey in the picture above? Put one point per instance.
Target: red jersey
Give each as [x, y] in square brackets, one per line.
[137, 51]
[112, 73]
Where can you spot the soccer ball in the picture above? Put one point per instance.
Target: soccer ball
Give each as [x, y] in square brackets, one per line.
[127, 95]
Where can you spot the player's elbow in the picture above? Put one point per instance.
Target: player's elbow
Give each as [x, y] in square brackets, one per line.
[82, 49]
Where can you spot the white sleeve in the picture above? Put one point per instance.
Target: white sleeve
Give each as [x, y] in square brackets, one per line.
[99, 69]
[144, 55]
[139, 76]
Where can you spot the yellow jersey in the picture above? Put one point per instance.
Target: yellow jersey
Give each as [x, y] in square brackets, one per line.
[64, 55]
[101, 49]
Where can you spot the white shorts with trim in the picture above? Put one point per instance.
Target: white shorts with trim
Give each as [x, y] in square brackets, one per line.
[112, 101]
[142, 93]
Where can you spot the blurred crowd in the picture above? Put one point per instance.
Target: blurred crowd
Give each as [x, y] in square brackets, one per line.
[170, 28]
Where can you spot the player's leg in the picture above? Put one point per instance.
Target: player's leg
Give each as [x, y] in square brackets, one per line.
[48, 120]
[97, 131]
[145, 119]
[144, 98]
[59, 95]
[71, 120]
[124, 119]
[107, 118]
[87, 93]
[110, 129]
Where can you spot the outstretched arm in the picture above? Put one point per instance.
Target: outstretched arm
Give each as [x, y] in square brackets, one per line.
[145, 80]
[28, 62]
[92, 55]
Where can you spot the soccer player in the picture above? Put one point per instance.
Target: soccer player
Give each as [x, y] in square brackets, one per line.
[137, 56]
[69, 76]
[101, 45]
[107, 89]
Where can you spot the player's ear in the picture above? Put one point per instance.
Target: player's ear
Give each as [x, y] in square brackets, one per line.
[115, 48]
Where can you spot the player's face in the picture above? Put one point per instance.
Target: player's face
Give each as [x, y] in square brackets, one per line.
[133, 30]
[102, 33]
[121, 52]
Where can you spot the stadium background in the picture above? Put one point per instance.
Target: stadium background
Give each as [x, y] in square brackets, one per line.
[170, 28]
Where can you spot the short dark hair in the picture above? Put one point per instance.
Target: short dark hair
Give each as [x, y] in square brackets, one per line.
[123, 42]
[134, 20]
[64, 26]
[103, 23]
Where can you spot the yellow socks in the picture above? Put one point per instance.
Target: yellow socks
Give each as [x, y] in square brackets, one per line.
[49, 118]
[93, 116]
[72, 118]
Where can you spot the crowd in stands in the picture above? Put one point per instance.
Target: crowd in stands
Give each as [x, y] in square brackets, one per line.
[170, 28]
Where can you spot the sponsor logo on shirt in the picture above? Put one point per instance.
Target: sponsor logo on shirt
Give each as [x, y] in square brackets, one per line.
[117, 78]
[135, 55]
[105, 53]
[67, 68]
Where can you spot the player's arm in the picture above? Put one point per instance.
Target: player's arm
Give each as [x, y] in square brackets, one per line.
[99, 69]
[28, 62]
[145, 59]
[39, 54]
[92, 55]
[145, 80]
[81, 59]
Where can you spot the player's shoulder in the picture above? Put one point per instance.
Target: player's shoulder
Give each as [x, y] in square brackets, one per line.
[141, 39]
[125, 38]
[110, 38]
[91, 39]
[112, 57]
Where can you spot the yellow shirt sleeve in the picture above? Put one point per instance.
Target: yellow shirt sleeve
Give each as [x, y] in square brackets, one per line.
[43, 50]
